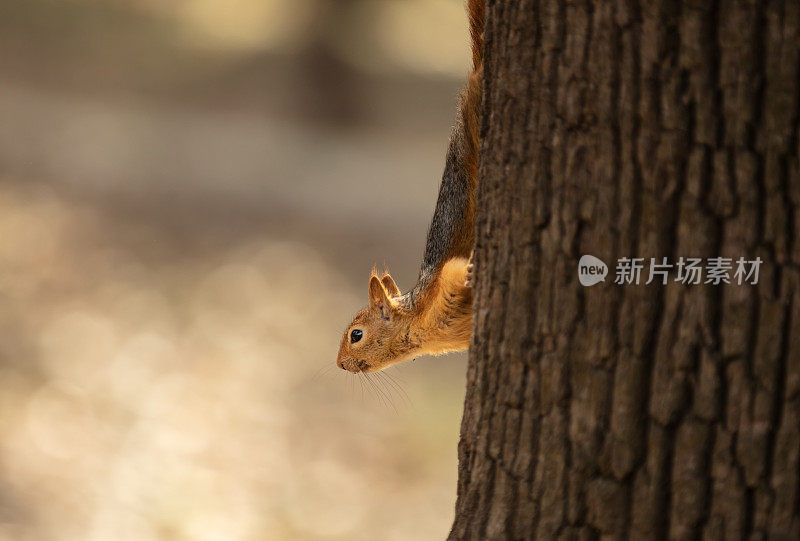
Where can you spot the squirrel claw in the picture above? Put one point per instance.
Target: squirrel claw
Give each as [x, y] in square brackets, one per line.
[468, 277]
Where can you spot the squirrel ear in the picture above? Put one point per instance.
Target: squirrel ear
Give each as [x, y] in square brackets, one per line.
[391, 287]
[378, 298]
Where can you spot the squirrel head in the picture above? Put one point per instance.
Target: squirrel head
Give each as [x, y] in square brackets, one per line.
[375, 339]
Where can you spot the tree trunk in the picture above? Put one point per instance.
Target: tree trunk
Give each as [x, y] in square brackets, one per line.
[635, 129]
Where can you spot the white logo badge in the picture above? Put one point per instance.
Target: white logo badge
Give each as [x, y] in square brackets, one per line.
[591, 270]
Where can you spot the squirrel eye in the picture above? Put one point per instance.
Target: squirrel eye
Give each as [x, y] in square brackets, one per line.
[355, 335]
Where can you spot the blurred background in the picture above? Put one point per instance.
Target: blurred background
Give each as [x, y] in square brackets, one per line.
[192, 193]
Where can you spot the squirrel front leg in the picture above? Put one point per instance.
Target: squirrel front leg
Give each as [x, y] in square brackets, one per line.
[470, 267]
[449, 312]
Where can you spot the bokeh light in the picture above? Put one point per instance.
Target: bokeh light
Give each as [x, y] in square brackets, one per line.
[192, 194]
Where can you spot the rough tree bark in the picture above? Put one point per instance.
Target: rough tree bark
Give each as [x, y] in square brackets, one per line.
[639, 129]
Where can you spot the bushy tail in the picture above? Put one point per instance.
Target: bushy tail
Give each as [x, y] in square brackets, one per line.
[476, 23]
[471, 106]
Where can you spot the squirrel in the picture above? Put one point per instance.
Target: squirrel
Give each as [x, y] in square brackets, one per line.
[435, 316]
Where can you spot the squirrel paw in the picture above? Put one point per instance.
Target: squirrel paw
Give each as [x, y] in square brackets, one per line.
[468, 277]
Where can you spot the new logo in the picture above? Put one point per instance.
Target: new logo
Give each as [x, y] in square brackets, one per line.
[591, 270]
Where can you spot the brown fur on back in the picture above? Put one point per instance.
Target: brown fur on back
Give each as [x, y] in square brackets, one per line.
[452, 230]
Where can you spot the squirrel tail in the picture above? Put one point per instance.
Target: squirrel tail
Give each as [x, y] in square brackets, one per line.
[471, 103]
[476, 23]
